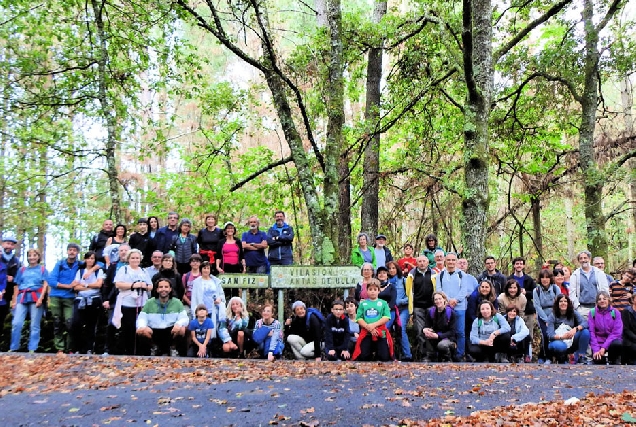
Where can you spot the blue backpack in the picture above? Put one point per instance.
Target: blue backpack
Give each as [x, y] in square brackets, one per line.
[316, 313]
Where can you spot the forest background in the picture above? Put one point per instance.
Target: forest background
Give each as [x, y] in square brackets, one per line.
[505, 127]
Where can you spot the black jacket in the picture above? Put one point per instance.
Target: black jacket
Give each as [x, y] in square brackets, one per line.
[312, 333]
[629, 326]
[337, 334]
[497, 279]
[441, 324]
[98, 243]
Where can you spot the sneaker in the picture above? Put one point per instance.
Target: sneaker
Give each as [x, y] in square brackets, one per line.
[89, 352]
[174, 352]
[547, 362]
[503, 359]
[407, 359]
[153, 350]
[541, 361]
[105, 353]
[527, 359]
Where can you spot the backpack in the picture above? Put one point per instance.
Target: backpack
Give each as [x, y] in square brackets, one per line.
[441, 277]
[593, 313]
[22, 269]
[481, 321]
[81, 272]
[552, 287]
[449, 312]
[318, 314]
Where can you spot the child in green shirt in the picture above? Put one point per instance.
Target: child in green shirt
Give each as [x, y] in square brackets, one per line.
[372, 316]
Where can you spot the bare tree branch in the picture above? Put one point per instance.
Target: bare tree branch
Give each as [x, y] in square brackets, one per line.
[260, 172]
[531, 26]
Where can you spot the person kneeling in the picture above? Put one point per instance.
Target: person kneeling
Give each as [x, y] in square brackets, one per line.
[372, 316]
[520, 339]
[201, 333]
[337, 333]
[268, 335]
[304, 332]
[162, 322]
[490, 335]
[439, 330]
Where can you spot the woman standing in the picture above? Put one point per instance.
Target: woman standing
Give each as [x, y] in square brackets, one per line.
[231, 258]
[567, 330]
[88, 304]
[367, 277]
[209, 239]
[387, 293]
[134, 287]
[363, 253]
[32, 286]
[559, 280]
[544, 296]
[402, 302]
[168, 270]
[184, 244]
[511, 296]
[111, 250]
[153, 226]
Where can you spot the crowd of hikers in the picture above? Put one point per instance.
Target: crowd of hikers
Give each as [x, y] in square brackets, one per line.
[159, 291]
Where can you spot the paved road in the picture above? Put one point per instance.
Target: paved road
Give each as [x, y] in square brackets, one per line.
[86, 391]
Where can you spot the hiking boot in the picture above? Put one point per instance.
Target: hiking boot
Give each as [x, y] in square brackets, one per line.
[501, 358]
[153, 350]
[174, 352]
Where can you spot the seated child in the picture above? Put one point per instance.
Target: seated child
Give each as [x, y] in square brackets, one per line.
[201, 331]
[236, 323]
[337, 333]
[268, 334]
[351, 306]
[372, 316]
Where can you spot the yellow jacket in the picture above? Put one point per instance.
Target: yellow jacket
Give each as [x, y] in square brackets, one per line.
[409, 287]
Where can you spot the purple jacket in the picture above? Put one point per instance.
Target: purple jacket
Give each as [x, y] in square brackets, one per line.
[603, 328]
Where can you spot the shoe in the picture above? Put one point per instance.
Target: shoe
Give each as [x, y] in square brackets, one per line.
[407, 360]
[105, 353]
[527, 359]
[469, 359]
[174, 352]
[89, 352]
[547, 362]
[541, 361]
[503, 359]
[153, 350]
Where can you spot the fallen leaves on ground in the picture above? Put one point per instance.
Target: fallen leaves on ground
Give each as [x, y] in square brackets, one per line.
[598, 410]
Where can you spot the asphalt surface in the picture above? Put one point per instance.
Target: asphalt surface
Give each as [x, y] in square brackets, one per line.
[342, 394]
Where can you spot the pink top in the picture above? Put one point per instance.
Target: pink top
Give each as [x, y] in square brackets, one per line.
[230, 253]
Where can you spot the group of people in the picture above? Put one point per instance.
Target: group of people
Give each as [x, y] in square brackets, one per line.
[152, 284]
[584, 316]
[162, 296]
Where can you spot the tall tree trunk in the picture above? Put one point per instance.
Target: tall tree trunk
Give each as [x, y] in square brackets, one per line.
[570, 227]
[478, 73]
[592, 179]
[627, 100]
[335, 112]
[371, 167]
[535, 203]
[344, 244]
[113, 132]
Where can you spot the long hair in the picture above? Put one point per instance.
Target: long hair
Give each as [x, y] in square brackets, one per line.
[569, 312]
[510, 283]
[492, 309]
[397, 268]
[228, 311]
[491, 294]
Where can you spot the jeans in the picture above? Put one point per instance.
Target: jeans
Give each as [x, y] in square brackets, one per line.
[391, 320]
[460, 329]
[62, 311]
[19, 314]
[406, 346]
[579, 344]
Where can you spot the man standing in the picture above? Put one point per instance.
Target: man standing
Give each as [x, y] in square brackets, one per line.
[9, 265]
[491, 273]
[439, 257]
[382, 253]
[98, 242]
[599, 263]
[452, 282]
[162, 323]
[585, 284]
[430, 248]
[419, 289]
[279, 240]
[155, 260]
[141, 240]
[62, 297]
[526, 287]
[165, 234]
[254, 243]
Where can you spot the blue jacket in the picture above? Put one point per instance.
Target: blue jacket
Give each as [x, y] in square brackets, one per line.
[64, 274]
[280, 243]
[163, 238]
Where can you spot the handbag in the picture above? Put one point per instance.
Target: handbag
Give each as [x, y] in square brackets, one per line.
[562, 329]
